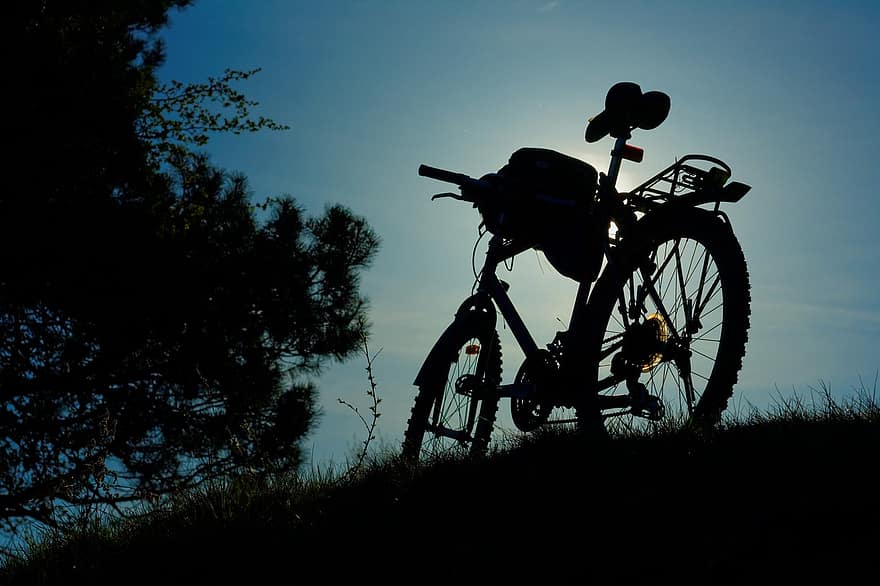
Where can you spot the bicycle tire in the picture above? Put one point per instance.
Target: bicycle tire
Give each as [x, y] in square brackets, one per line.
[717, 346]
[444, 421]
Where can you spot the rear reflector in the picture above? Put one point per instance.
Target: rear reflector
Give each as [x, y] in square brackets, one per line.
[633, 153]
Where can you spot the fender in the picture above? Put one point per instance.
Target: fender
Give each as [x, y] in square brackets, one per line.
[637, 236]
[730, 193]
[477, 312]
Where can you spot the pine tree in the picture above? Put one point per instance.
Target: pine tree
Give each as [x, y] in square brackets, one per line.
[154, 333]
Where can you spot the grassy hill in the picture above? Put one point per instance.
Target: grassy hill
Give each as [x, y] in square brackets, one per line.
[781, 497]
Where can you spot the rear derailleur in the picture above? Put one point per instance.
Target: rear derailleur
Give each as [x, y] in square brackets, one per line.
[644, 404]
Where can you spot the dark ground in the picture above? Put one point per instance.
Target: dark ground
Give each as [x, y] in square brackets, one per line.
[779, 502]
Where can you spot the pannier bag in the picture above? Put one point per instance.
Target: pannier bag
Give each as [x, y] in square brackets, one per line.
[548, 199]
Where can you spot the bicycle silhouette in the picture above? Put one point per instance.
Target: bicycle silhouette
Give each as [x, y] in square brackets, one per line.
[660, 320]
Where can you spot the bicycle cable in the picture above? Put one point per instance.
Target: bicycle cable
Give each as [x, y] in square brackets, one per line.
[540, 264]
[510, 266]
[481, 231]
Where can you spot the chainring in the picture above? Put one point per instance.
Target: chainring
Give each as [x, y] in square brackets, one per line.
[541, 370]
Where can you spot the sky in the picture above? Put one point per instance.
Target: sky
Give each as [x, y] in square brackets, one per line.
[785, 92]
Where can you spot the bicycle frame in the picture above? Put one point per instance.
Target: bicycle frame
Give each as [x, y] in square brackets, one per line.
[491, 294]
[496, 289]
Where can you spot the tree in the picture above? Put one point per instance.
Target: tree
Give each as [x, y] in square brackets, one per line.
[153, 332]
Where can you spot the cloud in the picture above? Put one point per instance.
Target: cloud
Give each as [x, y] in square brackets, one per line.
[549, 6]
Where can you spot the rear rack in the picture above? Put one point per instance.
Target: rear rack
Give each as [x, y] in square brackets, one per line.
[692, 180]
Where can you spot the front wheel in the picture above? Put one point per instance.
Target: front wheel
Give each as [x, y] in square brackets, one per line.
[676, 318]
[457, 401]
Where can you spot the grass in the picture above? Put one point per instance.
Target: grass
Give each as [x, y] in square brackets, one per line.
[783, 495]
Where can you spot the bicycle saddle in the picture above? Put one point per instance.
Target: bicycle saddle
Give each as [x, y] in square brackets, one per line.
[626, 107]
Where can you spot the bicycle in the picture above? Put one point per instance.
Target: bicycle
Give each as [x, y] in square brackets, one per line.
[660, 321]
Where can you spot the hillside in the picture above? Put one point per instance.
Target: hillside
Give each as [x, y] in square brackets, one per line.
[772, 498]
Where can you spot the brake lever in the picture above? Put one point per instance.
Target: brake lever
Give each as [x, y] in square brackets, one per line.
[448, 194]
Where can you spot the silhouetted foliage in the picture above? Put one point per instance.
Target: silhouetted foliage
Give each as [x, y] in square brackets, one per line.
[154, 333]
[177, 117]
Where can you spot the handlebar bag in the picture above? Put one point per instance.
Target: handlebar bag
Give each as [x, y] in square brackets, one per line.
[548, 197]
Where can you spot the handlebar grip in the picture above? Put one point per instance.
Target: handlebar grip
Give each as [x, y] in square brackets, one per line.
[444, 175]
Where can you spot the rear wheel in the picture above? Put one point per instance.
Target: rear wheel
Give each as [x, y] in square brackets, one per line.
[457, 402]
[676, 325]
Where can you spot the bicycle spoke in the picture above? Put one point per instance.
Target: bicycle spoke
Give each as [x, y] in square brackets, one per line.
[709, 295]
[682, 289]
[702, 281]
[703, 354]
[704, 332]
[705, 378]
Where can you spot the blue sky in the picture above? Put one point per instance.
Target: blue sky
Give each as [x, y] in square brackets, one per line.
[785, 92]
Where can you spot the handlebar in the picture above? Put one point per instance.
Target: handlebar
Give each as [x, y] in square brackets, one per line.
[444, 175]
[472, 190]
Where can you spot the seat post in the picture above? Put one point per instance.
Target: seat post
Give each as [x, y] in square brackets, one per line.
[616, 158]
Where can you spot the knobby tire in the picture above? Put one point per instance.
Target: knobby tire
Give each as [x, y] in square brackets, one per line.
[729, 301]
[438, 404]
